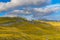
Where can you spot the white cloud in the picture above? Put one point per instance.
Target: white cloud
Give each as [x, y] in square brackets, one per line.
[37, 12]
[47, 10]
[18, 13]
[16, 3]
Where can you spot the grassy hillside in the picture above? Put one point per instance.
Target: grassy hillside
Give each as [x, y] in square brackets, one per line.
[21, 29]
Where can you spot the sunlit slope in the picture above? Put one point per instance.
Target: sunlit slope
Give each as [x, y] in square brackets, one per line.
[54, 23]
[21, 29]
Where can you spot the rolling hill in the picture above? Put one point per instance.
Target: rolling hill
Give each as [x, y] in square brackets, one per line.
[22, 29]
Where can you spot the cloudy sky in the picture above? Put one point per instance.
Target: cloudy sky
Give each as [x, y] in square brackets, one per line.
[31, 9]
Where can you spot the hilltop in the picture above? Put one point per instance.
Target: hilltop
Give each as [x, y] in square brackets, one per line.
[21, 29]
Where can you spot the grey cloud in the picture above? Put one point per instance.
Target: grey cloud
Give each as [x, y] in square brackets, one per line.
[36, 12]
[15, 3]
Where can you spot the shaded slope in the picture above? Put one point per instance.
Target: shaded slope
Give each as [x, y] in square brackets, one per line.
[21, 29]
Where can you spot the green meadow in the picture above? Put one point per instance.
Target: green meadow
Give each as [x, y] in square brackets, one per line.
[22, 29]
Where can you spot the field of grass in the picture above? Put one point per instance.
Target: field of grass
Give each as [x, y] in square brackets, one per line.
[21, 29]
[54, 23]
